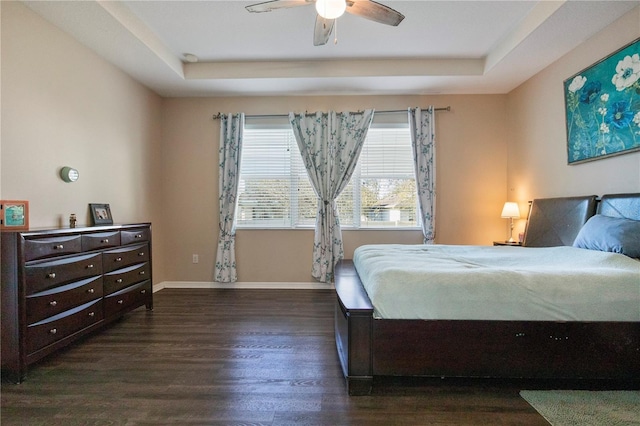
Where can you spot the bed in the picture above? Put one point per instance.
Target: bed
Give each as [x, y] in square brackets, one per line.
[524, 334]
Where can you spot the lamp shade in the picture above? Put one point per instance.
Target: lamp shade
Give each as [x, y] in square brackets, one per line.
[510, 210]
[331, 9]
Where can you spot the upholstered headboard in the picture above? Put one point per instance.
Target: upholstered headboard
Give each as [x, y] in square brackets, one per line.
[620, 205]
[557, 221]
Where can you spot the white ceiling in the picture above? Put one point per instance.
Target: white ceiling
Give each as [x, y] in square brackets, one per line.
[447, 47]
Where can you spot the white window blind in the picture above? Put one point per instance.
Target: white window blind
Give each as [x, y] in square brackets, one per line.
[264, 192]
[383, 185]
[275, 192]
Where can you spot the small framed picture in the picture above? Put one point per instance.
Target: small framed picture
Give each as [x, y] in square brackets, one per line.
[15, 215]
[101, 214]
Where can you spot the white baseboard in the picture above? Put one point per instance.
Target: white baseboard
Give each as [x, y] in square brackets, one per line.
[250, 285]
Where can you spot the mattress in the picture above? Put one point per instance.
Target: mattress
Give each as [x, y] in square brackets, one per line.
[499, 283]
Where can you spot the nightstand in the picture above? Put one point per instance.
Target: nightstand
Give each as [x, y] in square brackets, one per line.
[506, 243]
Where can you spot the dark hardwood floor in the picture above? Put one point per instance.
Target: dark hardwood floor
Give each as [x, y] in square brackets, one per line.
[237, 357]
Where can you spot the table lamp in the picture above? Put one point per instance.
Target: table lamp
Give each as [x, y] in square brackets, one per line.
[510, 211]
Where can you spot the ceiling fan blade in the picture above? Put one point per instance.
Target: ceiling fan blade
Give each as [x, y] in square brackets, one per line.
[268, 6]
[374, 11]
[322, 30]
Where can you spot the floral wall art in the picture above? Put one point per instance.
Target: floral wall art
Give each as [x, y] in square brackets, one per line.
[602, 105]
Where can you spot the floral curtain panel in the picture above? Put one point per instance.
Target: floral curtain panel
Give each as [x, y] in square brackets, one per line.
[330, 144]
[231, 128]
[421, 126]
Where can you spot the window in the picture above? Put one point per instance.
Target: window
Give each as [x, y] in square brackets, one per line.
[275, 192]
[382, 191]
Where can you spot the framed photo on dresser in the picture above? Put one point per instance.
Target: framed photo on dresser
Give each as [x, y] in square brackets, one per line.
[15, 215]
[101, 214]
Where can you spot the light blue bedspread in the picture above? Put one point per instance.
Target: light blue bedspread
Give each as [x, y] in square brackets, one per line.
[499, 283]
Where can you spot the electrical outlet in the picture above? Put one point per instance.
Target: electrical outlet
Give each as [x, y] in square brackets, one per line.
[195, 258]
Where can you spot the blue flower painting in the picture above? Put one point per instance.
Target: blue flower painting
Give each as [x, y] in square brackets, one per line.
[603, 107]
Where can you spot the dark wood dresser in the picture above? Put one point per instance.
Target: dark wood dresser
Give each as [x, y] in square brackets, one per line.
[58, 285]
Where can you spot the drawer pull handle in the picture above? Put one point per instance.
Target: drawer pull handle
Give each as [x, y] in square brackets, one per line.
[138, 235]
[143, 291]
[119, 280]
[58, 247]
[53, 331]
[118, 259]
[141, 253]
[120, 302]
[91, 291]
[92, 314]
[141, 272]
[51, 275]
[53, 303]
[105, 241]
[89, 266]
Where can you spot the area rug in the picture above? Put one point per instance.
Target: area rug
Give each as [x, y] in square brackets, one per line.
[586, 408]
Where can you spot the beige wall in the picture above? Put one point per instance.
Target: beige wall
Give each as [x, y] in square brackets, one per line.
[62, 105]
[537, 150]
[471, 182]
[156, 159]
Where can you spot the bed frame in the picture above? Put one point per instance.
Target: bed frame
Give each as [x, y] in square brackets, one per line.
[369, 347]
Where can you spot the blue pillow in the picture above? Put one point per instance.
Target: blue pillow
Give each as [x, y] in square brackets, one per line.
[610, 234]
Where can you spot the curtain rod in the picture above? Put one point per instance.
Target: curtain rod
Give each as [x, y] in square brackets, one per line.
[219, 115]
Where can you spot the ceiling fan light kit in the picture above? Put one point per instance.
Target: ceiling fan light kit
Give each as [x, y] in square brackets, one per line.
[330, 10]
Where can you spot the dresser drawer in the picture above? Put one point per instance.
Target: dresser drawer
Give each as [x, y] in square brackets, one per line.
[119, 258]
[100, 240]
[46, 247]
[117, 280]
[127, 298]
[132, 236]
[45, 275]
[52, 329]
[59, 299]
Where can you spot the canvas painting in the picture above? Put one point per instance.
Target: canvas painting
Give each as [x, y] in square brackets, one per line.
[602, 106]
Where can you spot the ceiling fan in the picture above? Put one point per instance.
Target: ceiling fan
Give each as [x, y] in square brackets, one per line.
[330, 10]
